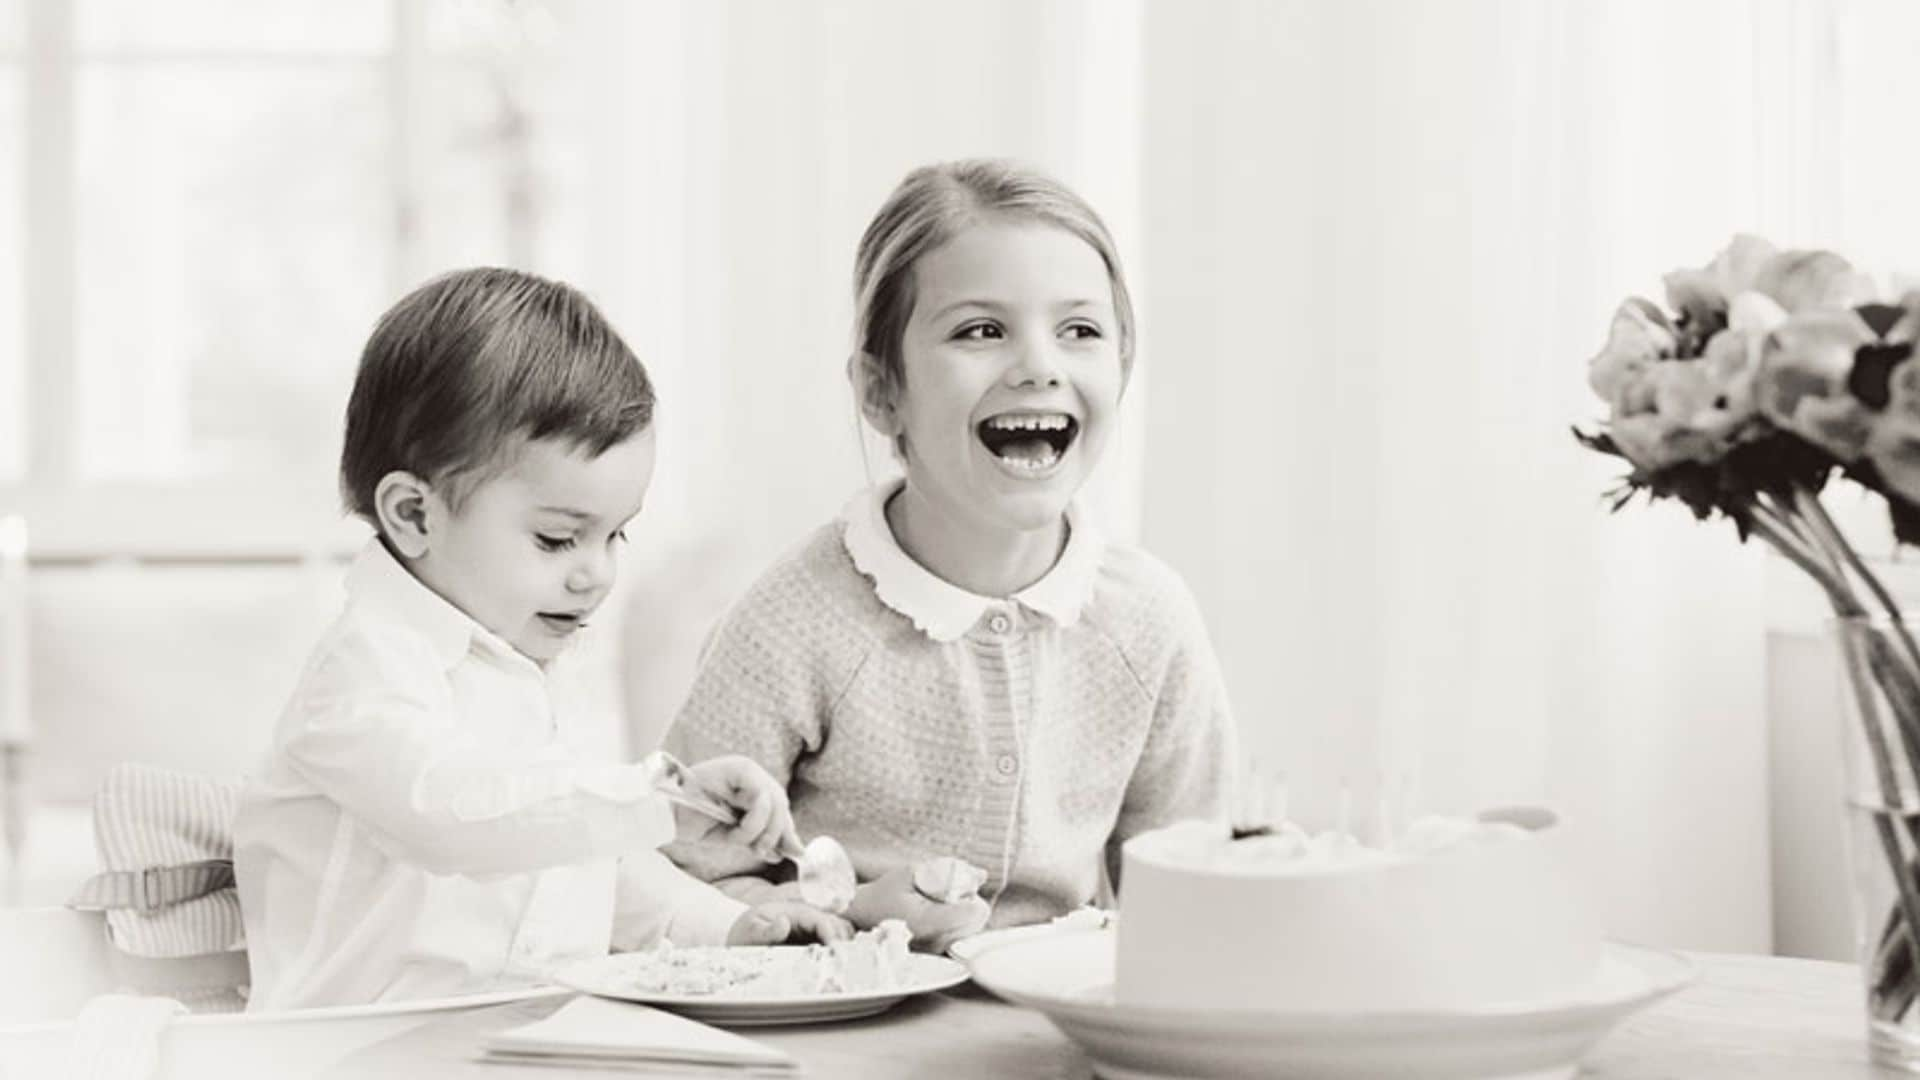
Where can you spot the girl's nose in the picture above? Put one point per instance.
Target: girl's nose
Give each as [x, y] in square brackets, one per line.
[1038, 365]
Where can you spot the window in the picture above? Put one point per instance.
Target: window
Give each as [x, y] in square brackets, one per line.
[233, 234]
[13, 344]
[241, 188]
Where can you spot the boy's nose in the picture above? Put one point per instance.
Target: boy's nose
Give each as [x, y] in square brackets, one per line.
[592, 572]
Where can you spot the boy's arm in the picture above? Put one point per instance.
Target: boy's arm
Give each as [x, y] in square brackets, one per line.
[658, 901]
[377, 734]
[1186, 768]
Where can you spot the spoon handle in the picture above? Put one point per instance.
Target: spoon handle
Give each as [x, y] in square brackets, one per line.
[671, 782]
[706, 805]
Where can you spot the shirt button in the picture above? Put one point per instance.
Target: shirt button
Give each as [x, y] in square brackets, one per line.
[1006, 765]
[999, 624]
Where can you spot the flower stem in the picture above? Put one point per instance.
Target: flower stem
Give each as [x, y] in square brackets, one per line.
[1823, 526]
[1783, 540]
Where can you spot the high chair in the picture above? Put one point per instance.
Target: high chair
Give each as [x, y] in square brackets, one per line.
[56, 963]
[57, 960]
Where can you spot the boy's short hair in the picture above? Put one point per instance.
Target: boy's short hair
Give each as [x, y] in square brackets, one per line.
[463, 367]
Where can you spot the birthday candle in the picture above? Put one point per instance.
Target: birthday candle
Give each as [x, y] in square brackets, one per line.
[1344, 826]
[1383, 810]
[15, 726]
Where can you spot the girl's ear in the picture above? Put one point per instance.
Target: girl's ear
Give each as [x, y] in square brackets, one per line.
[875, 392]
[405, 506]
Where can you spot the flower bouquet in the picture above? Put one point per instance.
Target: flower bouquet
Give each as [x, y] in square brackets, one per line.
[1767, 373]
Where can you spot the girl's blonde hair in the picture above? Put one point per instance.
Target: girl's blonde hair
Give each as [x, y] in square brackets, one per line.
[927, 210]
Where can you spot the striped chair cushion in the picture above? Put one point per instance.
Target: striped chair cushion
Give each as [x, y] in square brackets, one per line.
[178, 828]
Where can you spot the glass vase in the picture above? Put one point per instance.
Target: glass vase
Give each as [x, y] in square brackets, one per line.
[1880, 705]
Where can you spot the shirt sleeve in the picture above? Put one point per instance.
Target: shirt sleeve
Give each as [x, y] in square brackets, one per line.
[375, 731]
[658, 901]
[755, 694]
[1186, 767]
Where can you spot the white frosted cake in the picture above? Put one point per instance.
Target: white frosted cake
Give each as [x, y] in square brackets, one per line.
[1453, 914]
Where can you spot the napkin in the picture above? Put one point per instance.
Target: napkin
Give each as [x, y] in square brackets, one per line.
[117, 1037]
[592, 1030]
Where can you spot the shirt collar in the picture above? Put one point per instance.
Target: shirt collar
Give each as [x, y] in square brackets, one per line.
[942, 610]
[377, 580]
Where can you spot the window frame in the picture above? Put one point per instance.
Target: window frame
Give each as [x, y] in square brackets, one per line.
[232, 518]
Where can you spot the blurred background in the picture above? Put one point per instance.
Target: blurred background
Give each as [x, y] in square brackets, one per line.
[1372, 244]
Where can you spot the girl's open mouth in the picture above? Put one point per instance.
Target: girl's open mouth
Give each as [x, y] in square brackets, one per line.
[1029, 442]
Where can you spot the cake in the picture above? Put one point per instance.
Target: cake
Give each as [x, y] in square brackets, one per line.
[1453, 913]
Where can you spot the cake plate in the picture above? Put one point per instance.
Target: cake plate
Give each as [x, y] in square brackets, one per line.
[1069, 977]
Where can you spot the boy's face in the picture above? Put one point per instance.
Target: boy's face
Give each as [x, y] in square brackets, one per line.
[532, 551]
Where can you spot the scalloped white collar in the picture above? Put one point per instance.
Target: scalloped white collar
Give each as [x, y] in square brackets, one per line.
[942, 610]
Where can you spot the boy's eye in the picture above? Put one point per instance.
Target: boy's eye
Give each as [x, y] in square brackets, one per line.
[552, 543]
[980, 331]
[1084, 331]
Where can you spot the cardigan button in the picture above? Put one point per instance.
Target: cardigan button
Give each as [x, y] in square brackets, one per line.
[999, 624]
[1006, 765]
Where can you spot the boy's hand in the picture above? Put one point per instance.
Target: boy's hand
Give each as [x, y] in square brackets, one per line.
[778, 921]
[935, 924]
[765, 823]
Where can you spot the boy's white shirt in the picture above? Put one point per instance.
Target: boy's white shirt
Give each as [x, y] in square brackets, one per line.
[421, 829]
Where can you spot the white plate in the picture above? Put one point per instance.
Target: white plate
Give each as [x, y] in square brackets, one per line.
[605, 977]
[1069, 977]
[967, 949]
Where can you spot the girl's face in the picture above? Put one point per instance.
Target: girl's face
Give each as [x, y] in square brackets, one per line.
[1012, 373]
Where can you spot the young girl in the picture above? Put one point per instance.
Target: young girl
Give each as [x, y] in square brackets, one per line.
[960, 665]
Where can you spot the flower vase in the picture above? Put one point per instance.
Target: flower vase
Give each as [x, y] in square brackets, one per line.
[1880, 705]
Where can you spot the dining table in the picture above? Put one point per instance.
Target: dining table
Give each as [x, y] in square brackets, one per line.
[1746, 1017]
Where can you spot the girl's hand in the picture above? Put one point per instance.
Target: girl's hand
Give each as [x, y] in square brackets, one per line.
[765, 823]
[935, 924]
[779, 921]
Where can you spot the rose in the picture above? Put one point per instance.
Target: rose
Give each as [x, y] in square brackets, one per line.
[1794, 280]
[1682, 387]
[1669, 407]
[1842, 380]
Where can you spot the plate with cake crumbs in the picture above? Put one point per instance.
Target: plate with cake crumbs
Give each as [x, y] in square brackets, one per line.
[967, 949]
[771, 984]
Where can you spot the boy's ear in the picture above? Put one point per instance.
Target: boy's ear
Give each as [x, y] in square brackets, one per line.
[404, 503]
[875, 393]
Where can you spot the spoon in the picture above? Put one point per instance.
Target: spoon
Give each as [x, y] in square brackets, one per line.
[826, 872]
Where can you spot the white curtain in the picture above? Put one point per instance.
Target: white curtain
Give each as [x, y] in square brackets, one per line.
[1385, 238]
[745, 147]
[1373, 243]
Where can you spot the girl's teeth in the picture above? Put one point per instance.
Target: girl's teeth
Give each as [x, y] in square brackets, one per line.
[1039, 464]
[1029, 423]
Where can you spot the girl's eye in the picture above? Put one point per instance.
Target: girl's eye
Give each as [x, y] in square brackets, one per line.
[552, 543]
[980, 331]
[1084, 331]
